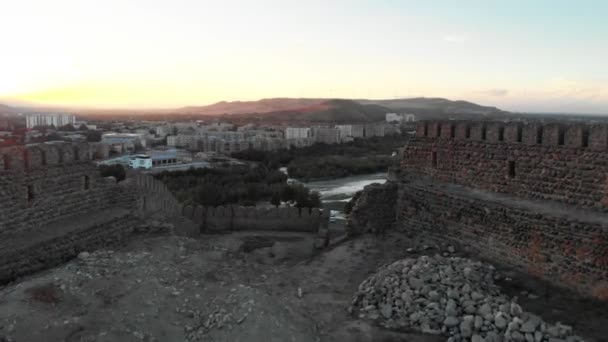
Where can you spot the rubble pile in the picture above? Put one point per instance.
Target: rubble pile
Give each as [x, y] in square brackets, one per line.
[452, 296]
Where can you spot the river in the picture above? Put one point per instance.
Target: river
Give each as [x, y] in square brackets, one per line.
[335, 193]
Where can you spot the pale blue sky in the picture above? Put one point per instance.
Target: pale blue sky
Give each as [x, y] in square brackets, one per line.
[518, 55]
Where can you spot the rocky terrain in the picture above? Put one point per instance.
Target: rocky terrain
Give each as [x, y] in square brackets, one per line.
[243, 288]
[451, 296]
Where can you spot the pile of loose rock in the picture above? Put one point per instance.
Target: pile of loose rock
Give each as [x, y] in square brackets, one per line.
[453, 296]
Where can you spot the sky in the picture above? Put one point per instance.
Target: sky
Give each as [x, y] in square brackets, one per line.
[519, 55]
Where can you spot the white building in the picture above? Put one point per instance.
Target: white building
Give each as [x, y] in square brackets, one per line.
[121, 138]
[297, 132]
[400, 117]
[140, 161]
[346, 132]
[45, 120]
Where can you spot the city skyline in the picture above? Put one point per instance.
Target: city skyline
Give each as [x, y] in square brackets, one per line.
[544, 56]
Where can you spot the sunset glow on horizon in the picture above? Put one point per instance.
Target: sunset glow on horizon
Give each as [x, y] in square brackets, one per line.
[516, 55]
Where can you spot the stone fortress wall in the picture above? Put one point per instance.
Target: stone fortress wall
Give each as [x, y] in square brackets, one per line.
[154, 196]
[530, 195]
[565, 163]
[54, 204]
[238, 218]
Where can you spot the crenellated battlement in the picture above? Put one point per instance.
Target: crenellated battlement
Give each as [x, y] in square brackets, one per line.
[531, 195]
[594, 137]
[155, 197]
[37, 156]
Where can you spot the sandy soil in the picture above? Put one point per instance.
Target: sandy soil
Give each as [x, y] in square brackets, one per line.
[168, 288]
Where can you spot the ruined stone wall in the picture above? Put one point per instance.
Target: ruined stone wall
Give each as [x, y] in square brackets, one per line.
[556, 242]
[52, 195]
[566, 163]
[153, 196]
[227, 218]
[374, 210]
[43, 182]
[237, 218]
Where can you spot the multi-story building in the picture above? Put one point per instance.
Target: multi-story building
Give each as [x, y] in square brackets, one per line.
[120, 142]
[326, 135]
[374, 130]
[346, 131]
[46, 120]
[297, 132]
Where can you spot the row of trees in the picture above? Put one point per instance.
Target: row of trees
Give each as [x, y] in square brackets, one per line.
[336, 166]
[242, 185]
[331, 161]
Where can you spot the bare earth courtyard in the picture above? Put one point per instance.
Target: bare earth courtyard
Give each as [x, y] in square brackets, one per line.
[228, 288]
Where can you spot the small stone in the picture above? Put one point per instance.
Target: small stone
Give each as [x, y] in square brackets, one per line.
[470, 309]
[386, 310]
[529, 337]
[477, 338]
[451, 249]
[451, 308]
[513, 326]
[552, 331]
[415, 283]
[517, 336]
[485, 309]
[477, 296]
[465, 327]
[500, 321]
[478, 322]
[451, 321]
[516, 310]
[453, 294]
[492, 336]
[83, 255]
[538, 336]
[531, 324]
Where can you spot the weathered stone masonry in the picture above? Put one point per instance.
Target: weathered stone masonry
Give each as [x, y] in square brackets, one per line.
[154, 197]
[554, 162]
[53, 204]
[533, 196]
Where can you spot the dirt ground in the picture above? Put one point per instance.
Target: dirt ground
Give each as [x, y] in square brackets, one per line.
[236, 288]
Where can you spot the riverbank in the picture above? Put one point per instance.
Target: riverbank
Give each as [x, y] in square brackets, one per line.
[336, 193]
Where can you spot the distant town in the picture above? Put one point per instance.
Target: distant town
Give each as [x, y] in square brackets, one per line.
[181, 145]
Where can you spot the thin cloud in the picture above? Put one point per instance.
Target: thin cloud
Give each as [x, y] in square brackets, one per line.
[455, 38]
[494, 92]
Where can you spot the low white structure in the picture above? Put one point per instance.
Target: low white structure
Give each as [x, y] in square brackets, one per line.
[400, 117]
[141, 161]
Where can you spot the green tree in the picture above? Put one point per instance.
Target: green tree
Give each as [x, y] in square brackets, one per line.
[275, 199]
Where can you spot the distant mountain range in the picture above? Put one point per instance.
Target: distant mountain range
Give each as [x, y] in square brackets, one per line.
[435, 104]
[339, 110]
[312, 109]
